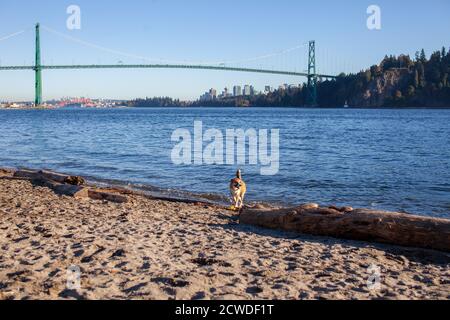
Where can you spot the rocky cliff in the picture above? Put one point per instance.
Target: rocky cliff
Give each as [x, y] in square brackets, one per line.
[382, 89]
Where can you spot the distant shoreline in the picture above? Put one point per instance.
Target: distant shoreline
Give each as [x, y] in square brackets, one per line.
[232, 107]
[309, 108]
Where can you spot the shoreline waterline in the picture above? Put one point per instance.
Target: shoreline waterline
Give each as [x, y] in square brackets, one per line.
[185, 196]
[375, 159]
[154, 192]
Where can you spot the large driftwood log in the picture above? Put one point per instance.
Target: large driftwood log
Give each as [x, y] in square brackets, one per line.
[62, 188]
[366, 225]
[69, 185]
[48, 175]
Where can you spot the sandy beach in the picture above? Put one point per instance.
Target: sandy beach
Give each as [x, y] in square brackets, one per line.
[153, 249]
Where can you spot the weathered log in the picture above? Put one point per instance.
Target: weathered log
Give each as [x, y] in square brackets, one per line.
[62, 178]
[69, 185]
[62, 188]
[102, 195]
[25, 173]
[366, 225]
[49, 175]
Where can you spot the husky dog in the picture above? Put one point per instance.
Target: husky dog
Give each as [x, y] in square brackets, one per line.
[238, 189]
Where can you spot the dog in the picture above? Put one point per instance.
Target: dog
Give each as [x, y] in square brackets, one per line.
[238, 189]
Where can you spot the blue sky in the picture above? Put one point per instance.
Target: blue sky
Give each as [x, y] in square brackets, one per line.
[201, 31]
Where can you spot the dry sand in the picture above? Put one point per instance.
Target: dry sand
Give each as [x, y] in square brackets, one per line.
[150, 249]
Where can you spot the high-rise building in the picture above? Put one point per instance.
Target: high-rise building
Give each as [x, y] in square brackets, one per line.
[237, 91]
[247, 90]
[225, 92]
[205, 97]
[209, 96]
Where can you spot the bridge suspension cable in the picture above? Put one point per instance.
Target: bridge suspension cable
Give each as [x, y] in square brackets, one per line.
[15, 34]
[142, 58]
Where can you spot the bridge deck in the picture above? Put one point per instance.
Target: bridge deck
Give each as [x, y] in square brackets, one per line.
[163, 66]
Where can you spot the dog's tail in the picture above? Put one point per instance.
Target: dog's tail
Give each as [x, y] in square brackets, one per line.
[239, 174]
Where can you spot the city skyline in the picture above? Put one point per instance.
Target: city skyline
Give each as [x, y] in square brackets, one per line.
[235, 91]
[175, 30]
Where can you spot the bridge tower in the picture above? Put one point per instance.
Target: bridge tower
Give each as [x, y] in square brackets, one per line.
[38, 70]
[312, 75]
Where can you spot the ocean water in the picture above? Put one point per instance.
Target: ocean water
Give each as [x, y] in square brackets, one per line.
[383, 159]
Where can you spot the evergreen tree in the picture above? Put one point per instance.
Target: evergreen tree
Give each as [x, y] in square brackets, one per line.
[423, 56]
[417, 56]
[368, 76]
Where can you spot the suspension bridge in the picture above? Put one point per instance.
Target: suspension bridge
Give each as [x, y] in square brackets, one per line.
[310, 74]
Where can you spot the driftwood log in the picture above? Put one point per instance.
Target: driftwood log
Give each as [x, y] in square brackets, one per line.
[73, 186]
[366, 225]
[107, 196]
[49, 176]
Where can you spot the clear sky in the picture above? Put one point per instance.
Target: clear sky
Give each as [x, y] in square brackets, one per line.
[202, 31]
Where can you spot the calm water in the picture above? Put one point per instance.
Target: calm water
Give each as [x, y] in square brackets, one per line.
[386, 159]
